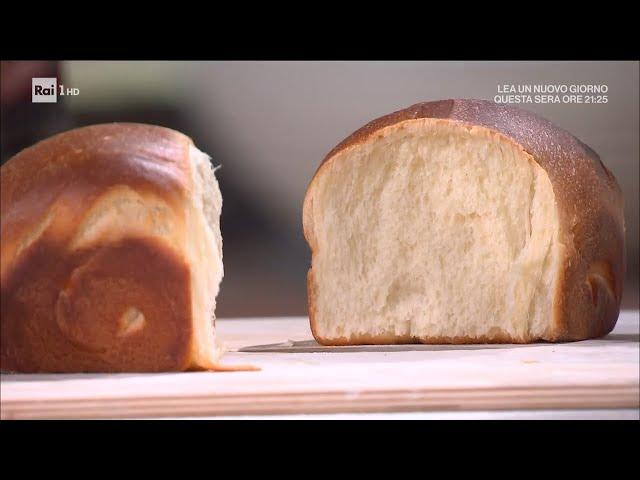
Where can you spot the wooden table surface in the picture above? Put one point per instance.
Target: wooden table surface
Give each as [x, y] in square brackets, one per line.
[299, 377]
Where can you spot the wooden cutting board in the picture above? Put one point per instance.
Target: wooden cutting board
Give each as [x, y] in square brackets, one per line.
[299, 376]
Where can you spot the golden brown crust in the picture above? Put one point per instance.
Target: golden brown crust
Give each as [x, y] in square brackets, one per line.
[589, 203]
[62, 313]
[68, 309]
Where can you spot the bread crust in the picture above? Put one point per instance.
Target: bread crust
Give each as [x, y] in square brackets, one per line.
[64, 309]
[589, 204]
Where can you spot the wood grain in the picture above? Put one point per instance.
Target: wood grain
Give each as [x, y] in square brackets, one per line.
[299, 376]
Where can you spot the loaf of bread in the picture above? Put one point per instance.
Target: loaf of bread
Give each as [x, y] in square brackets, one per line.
[463, 221]
[111, 253]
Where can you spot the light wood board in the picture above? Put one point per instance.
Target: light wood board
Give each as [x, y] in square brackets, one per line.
[298, 376]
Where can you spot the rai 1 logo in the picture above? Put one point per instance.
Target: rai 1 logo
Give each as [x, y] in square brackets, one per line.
[46, 90]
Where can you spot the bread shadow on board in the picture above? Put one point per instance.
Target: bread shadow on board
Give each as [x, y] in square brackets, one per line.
[311, 346]
[621, 337]
[611, 338]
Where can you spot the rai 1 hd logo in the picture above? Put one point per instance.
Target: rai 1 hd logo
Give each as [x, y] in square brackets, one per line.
[47, 90]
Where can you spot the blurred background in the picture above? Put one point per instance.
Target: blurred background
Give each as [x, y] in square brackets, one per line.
[268, 124]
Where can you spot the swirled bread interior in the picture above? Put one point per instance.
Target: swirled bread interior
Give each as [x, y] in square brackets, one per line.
[111, 253]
